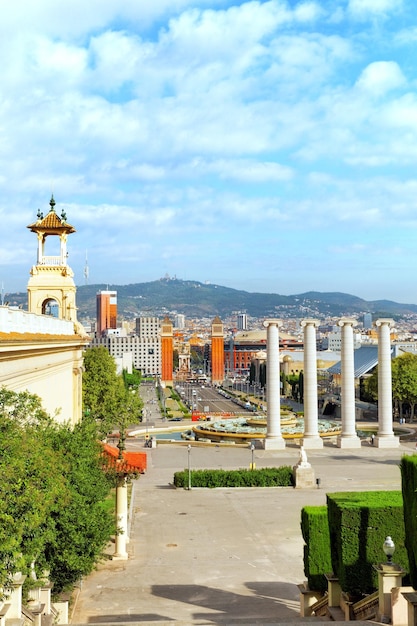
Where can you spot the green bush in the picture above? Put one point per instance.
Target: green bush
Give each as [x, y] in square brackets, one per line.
[408, 467]
[359, 522]
[264, 477]
[317, 555]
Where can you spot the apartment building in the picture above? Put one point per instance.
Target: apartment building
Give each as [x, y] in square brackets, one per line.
[144, 345]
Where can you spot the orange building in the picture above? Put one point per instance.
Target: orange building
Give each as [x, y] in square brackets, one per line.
[167, 352]
[106, 311]
[217, 351]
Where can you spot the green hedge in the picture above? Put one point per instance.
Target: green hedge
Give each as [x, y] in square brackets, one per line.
[408, 467]
[359, 523]
[317, 555]
[265, 477]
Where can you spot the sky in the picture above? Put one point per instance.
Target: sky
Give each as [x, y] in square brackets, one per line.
[269, 146]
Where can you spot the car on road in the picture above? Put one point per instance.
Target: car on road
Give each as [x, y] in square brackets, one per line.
[175, 419]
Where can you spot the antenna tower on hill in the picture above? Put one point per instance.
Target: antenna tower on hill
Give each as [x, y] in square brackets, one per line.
[86, 269]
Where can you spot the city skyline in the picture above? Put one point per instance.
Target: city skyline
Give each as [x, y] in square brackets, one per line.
[263, 146]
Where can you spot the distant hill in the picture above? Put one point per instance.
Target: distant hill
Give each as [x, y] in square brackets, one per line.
[195, 299]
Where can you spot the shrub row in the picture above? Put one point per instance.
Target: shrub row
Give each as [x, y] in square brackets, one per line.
[346, 537]
[359, 522]
[317, 554]
[409, 489]
[264, 477]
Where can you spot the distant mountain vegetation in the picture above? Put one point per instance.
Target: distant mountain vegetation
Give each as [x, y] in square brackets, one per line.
[195, 299]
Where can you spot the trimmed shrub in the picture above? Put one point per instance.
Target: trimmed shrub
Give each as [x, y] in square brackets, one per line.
[358, 524]
[408, 468]
[264, 477]
[317, 555]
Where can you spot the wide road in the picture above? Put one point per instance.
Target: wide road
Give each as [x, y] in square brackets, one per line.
[207, 399]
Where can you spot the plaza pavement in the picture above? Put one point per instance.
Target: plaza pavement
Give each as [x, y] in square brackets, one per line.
[221, 556]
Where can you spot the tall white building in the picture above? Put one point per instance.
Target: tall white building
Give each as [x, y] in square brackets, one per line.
[179, 321]
[144, 346]
[242, 321]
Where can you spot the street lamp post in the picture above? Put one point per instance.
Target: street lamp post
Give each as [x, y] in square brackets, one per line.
[252, 448]
[189, 466]
[389, 549]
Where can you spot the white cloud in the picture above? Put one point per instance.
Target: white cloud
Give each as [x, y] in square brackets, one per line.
[406, 36]
[380, 77]
[246, 171]
[308, 11]
[366, 8]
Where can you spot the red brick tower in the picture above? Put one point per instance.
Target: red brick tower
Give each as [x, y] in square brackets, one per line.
[167, 352]
[217, 352]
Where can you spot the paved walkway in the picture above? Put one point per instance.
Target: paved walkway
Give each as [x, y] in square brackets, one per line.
[223, 556]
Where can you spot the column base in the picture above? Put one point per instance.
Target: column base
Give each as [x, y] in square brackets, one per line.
[120, 557]
[348, 442]
[386, 441]
[274, 443]
[312, 443]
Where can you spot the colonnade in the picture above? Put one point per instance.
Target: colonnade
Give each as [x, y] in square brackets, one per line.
[348, 437]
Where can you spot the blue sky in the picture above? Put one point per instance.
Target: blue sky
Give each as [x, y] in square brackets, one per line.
[266, 146]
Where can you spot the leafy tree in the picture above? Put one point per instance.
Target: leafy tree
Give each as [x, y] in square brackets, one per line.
[262, 374]
[196, 357]
[105, 397]
[252, 373]
[101, 387]
[133, 380]
[301, 385]
[28, 487]
[176, 359]
[83, 527]
[404, 383]
[52, 489]
[368, 388]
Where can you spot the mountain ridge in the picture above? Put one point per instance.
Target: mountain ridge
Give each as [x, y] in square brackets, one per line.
[196, 299]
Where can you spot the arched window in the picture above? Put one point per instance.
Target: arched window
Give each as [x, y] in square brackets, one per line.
[50, 307]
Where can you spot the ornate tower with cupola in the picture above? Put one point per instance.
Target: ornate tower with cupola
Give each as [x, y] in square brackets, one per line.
[51, 288]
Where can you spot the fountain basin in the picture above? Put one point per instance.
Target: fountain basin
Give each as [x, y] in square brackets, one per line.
[242, 430]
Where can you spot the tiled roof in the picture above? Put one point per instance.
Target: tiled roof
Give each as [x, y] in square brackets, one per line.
[51, 222]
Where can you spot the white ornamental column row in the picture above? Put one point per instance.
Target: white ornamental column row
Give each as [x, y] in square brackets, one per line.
[311, 438]
[348, 437]
[274, 439]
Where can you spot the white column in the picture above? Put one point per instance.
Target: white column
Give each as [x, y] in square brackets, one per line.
[274, 439]
[385, 437]
[311, 438]
[348, 437]
[121, 520]
[40, 248]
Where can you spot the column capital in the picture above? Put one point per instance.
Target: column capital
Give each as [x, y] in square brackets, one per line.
[384, 321]
[310, 322]
[347, 321]
[272, 322]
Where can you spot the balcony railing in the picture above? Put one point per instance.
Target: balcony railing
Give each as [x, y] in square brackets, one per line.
[52, 260]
